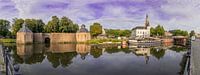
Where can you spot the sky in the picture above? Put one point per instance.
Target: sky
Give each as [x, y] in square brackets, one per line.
[117, 14]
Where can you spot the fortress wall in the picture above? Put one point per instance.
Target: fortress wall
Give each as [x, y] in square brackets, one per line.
[62, 37]
[38, 37]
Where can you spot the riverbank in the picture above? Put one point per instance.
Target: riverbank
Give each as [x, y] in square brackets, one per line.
[92, 41]
[7, 40]
[104, 41]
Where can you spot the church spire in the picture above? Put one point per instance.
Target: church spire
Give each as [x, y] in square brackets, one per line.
[147, 21]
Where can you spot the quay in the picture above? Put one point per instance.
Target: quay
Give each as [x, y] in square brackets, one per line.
[195, 57]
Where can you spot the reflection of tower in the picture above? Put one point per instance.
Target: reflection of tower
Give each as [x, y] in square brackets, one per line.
[83, 50]
[24, 51]
[143, 52]
[146, 59]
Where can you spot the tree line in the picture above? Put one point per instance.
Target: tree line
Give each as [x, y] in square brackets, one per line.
[56, 24]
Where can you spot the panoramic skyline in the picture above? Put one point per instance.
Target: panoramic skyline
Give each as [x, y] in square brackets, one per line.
[124, 14]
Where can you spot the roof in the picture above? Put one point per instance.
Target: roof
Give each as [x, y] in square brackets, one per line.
[25, 29]
[83, 29]
[139, 27]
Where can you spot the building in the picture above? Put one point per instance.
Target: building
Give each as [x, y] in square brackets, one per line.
[24, 36]
[141, 32]
[168, 34]
[102, 35]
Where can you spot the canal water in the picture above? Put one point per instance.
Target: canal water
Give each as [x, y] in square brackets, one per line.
[83, 59]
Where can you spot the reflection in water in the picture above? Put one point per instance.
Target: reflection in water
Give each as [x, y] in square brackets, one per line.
[66, 55]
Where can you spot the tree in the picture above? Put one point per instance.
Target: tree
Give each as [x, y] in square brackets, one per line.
[160, 30]
[36, 26]
[152, 31]
[192, 33]
[61, 25]
[118, 32]
[4, 26]
[53, 25]
[179, 32]
[157, 31]
[95, 29]
[17, 24]
[66, 25]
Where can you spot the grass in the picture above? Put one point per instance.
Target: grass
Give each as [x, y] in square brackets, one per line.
[100, 41]
[7, 40]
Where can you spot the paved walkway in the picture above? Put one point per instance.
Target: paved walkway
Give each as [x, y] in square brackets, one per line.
[195, 57]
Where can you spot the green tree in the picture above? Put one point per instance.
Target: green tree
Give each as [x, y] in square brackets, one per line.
[53, 25]
[118, 32]
[152, 31]
[4, 26]
[36, 26]
[66, 25]
[192, 33]
[61, 25]
[17, 24]
[157, 31]
[95, 29]
[160, 30]
[179, 32]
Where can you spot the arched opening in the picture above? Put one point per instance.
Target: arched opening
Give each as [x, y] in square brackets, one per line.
[47, 40]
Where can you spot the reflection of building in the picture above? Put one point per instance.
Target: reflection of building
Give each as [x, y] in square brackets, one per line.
[143, 52]
[83, 50]
[140, 32]
[24, 50]
[24, 35]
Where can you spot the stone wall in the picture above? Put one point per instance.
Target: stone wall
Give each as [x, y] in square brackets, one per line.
[54, 37]
[62, 37]
[38, 37]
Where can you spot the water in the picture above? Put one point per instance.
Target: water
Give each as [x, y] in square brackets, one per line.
[82, 59]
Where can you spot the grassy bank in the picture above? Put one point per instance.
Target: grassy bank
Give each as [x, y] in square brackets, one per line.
[7, 40]
[102, 41]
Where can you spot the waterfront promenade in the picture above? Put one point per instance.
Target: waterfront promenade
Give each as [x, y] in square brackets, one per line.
[195, 57]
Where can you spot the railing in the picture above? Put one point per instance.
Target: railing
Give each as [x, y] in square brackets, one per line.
[187, 69]
[11, 68]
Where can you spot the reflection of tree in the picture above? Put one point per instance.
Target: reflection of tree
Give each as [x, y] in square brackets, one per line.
[96, 52]
[178, 48]
[116, 50]
[66, 58]
[157, 53]
[35, 58]
[54, 59]
[63, 59]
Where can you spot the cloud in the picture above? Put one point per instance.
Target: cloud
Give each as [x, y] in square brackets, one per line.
[173, 14]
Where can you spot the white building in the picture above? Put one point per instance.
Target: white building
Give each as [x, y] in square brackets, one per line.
[141, 32]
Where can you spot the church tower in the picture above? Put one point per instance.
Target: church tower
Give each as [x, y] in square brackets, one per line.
[147, 21]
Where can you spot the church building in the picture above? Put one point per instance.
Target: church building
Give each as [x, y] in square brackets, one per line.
[141, 32]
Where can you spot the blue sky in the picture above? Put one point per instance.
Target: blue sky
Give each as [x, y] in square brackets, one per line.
[124, 14]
